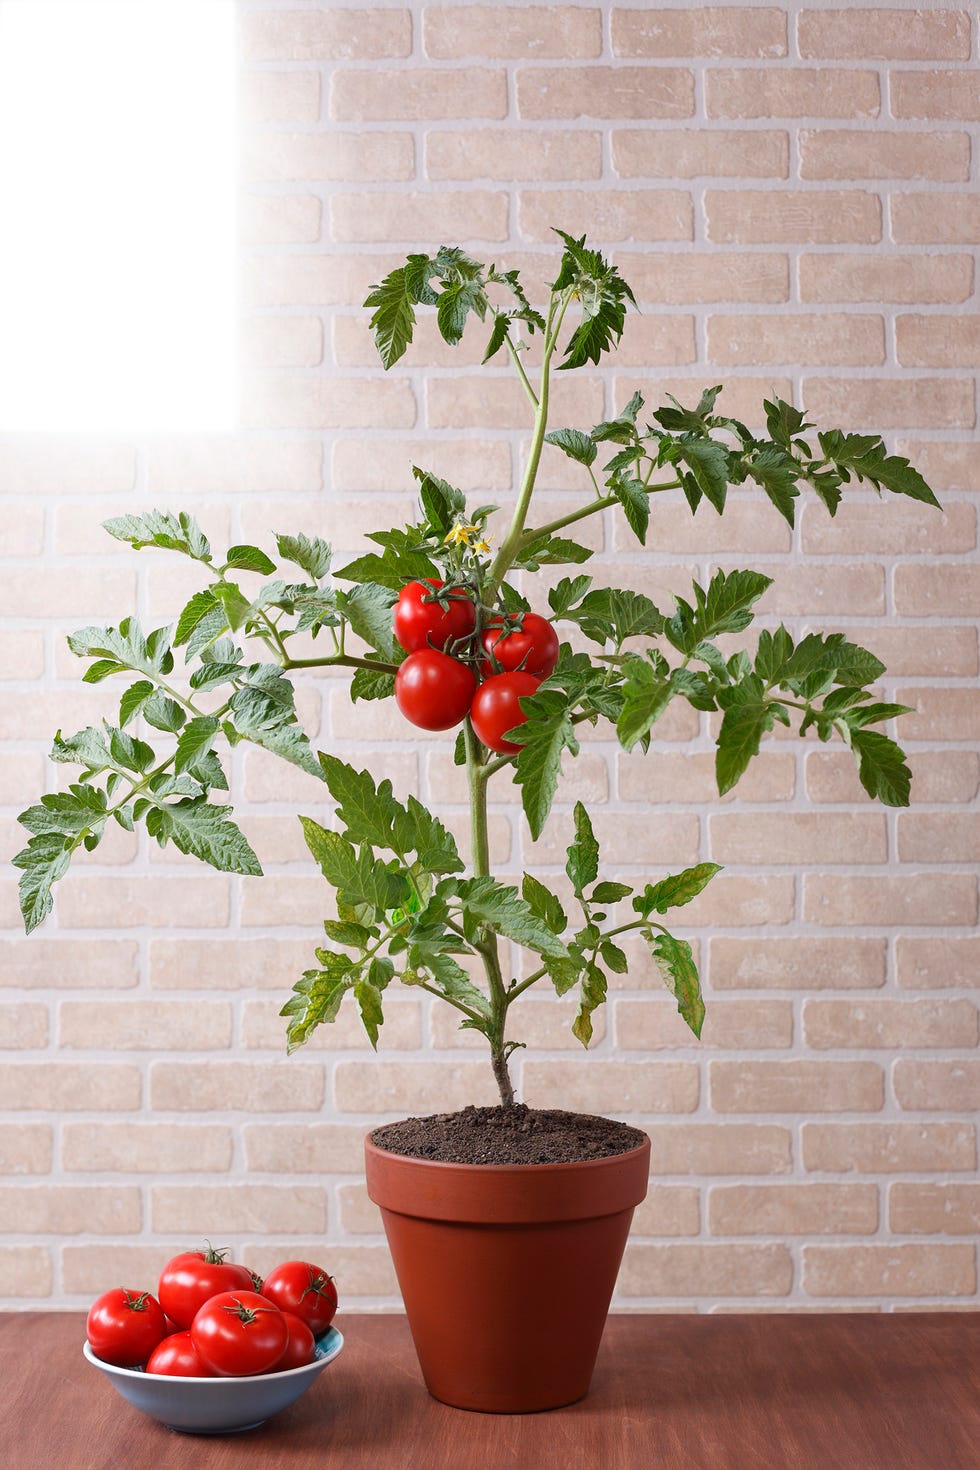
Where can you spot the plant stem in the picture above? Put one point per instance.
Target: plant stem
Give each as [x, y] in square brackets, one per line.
[602, 503]
[487, 947]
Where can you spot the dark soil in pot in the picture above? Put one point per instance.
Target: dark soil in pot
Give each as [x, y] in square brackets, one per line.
[517, 1135]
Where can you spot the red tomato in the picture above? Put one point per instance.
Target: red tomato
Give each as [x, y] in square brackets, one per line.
[190, 1278]
[433, 690]
[240, 1332]
[495, 709]
[177, 1357]
[124, 1327]
[420, 622]
[297, 1286]
[532, 648]
[301, 1347]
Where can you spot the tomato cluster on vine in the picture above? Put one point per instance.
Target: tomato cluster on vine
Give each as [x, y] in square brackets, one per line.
[460, 663]
[213, 1318]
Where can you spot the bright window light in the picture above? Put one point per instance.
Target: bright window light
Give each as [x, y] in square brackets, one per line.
[118, 190]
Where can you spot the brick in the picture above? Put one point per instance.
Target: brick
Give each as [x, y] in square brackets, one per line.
[876, 33]
[849, 153]
[796, 1086]
[924, 965]
[308, 402]
[798, 837]
[856, 589]
[88, 592]
[263, 1026]
[23, 524]
[888, 403]
[304, 1148]
[454, 402]
[468, 214]
[191, 1210]
[889, 1023]
[704, 1149]
[309, 280]
[282, 219]
[32, 464]
[70, 1209]
[145, 1147]
[510, 155]
[937, 899]
[888, 1148]
[234, 465]
[85, 1268]
[251, 1087]
[889, 1270]
[23, 1025]
[280, 96]
[600, 1086]
[20, 771]
[26, 1148]
[89, 902]
[670, 778]
[256, 963]
[950, 1086]
[21, 655]
[824, 339]
[399, 1088]
[934, 1209]
[935, 94]
[717, 152]
[793, 91]
[359, 464]
[672, 838]
[707, 30]
[144, 1025]
[742, 397]
[649, 1024]
[668, 1210]
[25, 1271]
[937, 341]
[940, 714]
[501, 32]
[705, 1270]
[724, 275]
[938, 837]
[59, 1086]
[326, 35]
[740, 902]
[64, 964]
[350, 157]
[935, 219]
[902, 526]
[793, 1209]
[804, 963]
[906, 279]
[649, 342]
[418, 93]
[358, 1213]
[604, 92]
[792, 217]
[282, 341]
[634, 214]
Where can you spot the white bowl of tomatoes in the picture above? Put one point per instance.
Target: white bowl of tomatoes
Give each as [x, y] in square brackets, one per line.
[216, 1350]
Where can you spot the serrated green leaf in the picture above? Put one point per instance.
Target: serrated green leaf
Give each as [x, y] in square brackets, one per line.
[675, 961]
[882, 768]
[647, 691]
[367, 609]
[496, 906]
[249, 559]
[742, 728]
[43, 861]
[393, 322]
[674, 891]
[725, 607]
[707, 463]
[194, 741]
[591, 996]
[205, 832]
[366, 684]
[545, 904]
[582, 866]
[133, 700]
[368, 999]
[78, 809]
[163, 713]
[309, 552]
[128, 752]
[573, 443]
[607, 892]
[777, 472]
[172, 532]
[632, 496]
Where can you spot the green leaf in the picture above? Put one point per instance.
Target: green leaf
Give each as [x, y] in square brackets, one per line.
[545, 904]
[367, 608]
[310, 553]
[316, 999]
[675, 961]
[456, 301]
[610, 892]
[547, 731]
[393, 322]
[368, 684]
[707, 463]
[567, 593]
[86, 748]
[81, 808]
[611, 615]
[163, 713]
[126, 647]
[133, 700]
[128, 752]
[724, 608]
[194, 741]
[592, 995]
[582, 866]
[681, 420]
[621, 430]
[249, 559]
[355, 873]
[646, 694]
[551, 551]
[498, 335]
[632, 496]
[492, 905]
[43, 861]
[440, 970]
[572, 442]
[742, 728]
[881, 767]
[777, 472]
[674, 891]
[784, 422]
[443, 503]
[368, 999]
[865, 456]
[172, 532]
[198, 607]
[205, 832]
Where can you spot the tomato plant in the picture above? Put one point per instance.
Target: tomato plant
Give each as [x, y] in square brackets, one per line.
[532, 648]
[433, 690]
[298, 1286]
[301, 1347]
[177, 1357]
[188, 1280]
[240, 1332]
[124, 1327]
[496, 709]
[421, 621]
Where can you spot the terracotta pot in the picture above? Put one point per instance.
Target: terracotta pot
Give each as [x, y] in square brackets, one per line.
[507, 1271]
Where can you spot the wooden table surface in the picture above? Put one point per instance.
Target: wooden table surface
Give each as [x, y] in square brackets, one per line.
[810, 1392]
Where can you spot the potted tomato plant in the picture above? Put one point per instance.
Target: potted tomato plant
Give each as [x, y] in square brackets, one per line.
[446, 619]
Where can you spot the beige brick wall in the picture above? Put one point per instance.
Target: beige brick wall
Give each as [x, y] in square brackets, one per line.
[792, 192]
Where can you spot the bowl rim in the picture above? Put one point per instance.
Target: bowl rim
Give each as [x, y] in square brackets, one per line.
[331, 1341]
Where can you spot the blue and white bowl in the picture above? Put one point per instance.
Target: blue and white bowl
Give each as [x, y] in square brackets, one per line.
[217, 1405]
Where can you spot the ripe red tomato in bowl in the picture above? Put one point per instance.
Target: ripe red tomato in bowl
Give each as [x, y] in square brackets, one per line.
[177, 1357]
[304, 1289]
[300, 1348]
[124, 1327]
[532, 648]
[420, 621]
[433, 690]
[239, 1332]
[496, 709]
[188, 1280]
